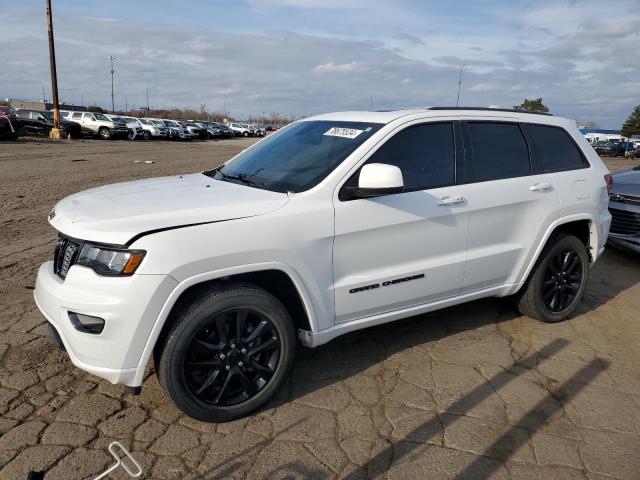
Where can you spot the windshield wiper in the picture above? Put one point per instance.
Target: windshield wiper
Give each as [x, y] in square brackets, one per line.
[240, 177]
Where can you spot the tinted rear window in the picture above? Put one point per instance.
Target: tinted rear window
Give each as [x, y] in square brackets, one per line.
[555, 148]
[499, 151]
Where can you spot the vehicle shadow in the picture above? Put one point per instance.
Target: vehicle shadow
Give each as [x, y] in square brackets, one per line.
[615, 272]
[408, 450]
[404, 451]
[356, 352]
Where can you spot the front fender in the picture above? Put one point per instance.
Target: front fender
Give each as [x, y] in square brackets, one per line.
[214, 275]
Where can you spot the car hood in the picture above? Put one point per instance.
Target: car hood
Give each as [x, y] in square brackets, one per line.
[115, 214]
[627, 182]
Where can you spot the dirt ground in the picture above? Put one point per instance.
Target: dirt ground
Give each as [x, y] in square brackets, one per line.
[474, 391]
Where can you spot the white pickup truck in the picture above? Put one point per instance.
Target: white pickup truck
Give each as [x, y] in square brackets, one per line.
[333, 224]
[98, 124]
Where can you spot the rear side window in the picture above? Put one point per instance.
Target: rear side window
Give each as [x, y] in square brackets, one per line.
[499, 151]
[425, 154]
[555, 148]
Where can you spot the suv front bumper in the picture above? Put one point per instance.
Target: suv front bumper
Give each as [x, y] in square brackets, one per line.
[128, 305]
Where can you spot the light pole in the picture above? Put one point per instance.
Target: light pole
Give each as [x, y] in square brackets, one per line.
[113, 103]
[147, 98]
[459, 83]
[55, 131]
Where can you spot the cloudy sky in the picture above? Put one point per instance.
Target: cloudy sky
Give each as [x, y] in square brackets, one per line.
[301, 57]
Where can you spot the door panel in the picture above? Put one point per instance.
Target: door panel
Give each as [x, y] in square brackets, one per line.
[398, 251]
[506, 217]
[509, 203]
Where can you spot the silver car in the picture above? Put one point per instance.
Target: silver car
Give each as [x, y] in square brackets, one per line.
[624, 205]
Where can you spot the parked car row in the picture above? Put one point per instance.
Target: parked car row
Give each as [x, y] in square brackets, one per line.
[610, 148]
[76, 124]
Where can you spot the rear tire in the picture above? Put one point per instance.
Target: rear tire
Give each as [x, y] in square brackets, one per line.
[558, 280]
[146, 135]
[227, 353]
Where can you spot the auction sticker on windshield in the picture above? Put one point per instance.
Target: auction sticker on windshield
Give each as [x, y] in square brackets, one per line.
[343, 132]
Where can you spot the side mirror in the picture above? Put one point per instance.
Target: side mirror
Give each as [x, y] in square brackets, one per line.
[377, 179]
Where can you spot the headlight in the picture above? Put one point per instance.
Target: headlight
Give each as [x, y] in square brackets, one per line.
[106, 261]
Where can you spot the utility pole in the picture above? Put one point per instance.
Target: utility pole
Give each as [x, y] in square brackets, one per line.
[55, 131]
[371, 102]
[147, 98]
[113, 103]
[459, 83]
[126, 104]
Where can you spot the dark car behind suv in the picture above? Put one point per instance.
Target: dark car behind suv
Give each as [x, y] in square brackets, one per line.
[10, 124]
[41, 122]
[610, 149]
[624, 205]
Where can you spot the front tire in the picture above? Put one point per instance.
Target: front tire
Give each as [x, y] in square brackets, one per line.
[146, 135]
[227, 353]
[558, 281]
[104, 133]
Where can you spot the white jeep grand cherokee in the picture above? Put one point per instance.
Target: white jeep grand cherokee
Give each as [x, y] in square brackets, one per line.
[335, 223]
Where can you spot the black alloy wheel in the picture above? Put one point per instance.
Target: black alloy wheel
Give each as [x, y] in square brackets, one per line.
[233, 357]
[226, 352]
[558, 280]
[562, 280]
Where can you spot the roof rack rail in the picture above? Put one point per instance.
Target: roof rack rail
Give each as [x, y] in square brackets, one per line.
[489, 109]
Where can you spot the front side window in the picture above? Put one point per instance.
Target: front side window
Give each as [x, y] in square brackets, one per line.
[297, 158]
[424, 153]
[77, 116]
[102, 117]
[556, 149]
[499, 151]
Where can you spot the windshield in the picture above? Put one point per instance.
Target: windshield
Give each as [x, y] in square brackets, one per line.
[298, 157]
[146, 122]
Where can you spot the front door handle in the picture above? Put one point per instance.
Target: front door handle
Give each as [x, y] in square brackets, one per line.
[451, 200]
[540, 187]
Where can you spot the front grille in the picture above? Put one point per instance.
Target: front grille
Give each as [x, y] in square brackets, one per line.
[65, 255]
[628, 199]
[624, 222]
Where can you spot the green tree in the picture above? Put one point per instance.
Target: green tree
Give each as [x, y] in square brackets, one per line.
[534, 105]
[632, 125]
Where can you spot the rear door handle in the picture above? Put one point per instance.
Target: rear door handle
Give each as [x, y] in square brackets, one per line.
[451, 200]
[540, 187]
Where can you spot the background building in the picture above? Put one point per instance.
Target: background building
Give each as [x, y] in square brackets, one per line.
[41, 105]
[600, 134]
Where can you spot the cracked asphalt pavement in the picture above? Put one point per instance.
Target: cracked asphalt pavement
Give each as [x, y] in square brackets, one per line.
[474, 391]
